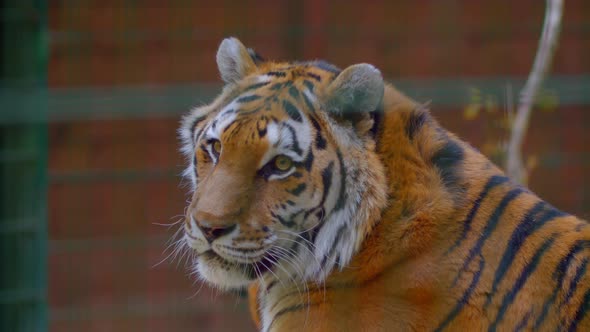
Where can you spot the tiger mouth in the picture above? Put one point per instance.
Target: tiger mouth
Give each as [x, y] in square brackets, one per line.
[252, 270]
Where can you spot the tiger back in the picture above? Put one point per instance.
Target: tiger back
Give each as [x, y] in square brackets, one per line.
[344, 206]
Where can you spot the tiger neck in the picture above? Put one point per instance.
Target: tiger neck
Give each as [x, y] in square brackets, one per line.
[427, 177]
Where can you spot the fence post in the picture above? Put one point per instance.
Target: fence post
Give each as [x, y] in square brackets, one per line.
[23, 165]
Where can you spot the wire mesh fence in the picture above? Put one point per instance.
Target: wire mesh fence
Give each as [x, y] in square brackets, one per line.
[23, 164]
[89, 148]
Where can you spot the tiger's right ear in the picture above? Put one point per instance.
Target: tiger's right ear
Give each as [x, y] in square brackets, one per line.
[234, 60]
[357, 89]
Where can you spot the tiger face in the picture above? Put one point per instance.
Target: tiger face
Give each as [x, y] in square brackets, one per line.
[273, 194]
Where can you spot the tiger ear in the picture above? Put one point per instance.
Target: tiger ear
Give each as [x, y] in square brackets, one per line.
[356, 90]
[234, 60]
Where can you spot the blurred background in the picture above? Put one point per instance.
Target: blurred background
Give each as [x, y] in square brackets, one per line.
[91, 93]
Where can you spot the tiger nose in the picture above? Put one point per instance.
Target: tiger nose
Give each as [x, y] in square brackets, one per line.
[214, 232]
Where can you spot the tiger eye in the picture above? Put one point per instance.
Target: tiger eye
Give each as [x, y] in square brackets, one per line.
[217, 147]
[283, 163]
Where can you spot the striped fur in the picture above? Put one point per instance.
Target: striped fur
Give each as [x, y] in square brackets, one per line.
[384, 222]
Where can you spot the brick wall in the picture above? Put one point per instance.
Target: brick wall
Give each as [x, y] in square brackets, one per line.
[112, 179]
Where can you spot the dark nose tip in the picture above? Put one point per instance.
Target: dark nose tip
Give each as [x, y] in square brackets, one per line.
[215, 232]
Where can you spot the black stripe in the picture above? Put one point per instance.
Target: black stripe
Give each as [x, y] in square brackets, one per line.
[195, 166]
[295, 214]
[320, 141]
[309, 85]
[494, 181]
[314, 76]
[415, 123]
[489, 228]
[290, 309]
[337, 239]
[277, 86]
[307, 235]
[256, 86]
[271, 285]
[252, 111]
[247, 99]
[327, 183]
[581, 311]
[286, 223]
[562, 267]
[195, 123]
[294, 140]
[447, 160]
[520, 281]
[298, 190]
[293, 92]
[523, 322]
[308, 103]
[559, 276]
[261, 128]
[342, 196]
[204, 149]
[534, 219]
[377, 117]
[277, 73]
[464, 298]
[197, 134]
[292, 111]
[232, 129]
[308, 162]
[580, 272]
[313, 233]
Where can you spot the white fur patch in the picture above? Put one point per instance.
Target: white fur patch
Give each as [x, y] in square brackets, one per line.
[218, 276]
[188, 139]
[222, 120]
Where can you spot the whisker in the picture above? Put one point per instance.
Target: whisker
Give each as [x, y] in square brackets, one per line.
[168, 224]
[270, 270]
[297, 235]
[321, 269]
[197, 292]
[312, 254]
[172, 242]
[285, 254]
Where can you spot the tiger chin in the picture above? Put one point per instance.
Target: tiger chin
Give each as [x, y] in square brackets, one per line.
[342, 205]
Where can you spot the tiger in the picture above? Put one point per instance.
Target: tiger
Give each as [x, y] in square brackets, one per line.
[341, 204]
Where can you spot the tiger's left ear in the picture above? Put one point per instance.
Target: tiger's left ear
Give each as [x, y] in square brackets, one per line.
[354, 93]
[234, 60]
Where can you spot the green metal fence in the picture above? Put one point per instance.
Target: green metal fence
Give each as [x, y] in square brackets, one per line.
[23, 169]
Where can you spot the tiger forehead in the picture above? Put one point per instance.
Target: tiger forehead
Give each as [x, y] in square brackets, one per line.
[273, 78]
[282, 91]
[319, 71]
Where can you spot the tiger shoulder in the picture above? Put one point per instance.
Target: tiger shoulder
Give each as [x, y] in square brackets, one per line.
[343, 205]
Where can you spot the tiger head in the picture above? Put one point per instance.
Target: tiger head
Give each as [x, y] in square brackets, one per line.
[286, 182]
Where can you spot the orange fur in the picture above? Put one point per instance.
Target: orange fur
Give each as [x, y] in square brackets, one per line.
[453, 245]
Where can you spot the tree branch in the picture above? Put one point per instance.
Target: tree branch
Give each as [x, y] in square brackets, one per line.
[547, 45]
